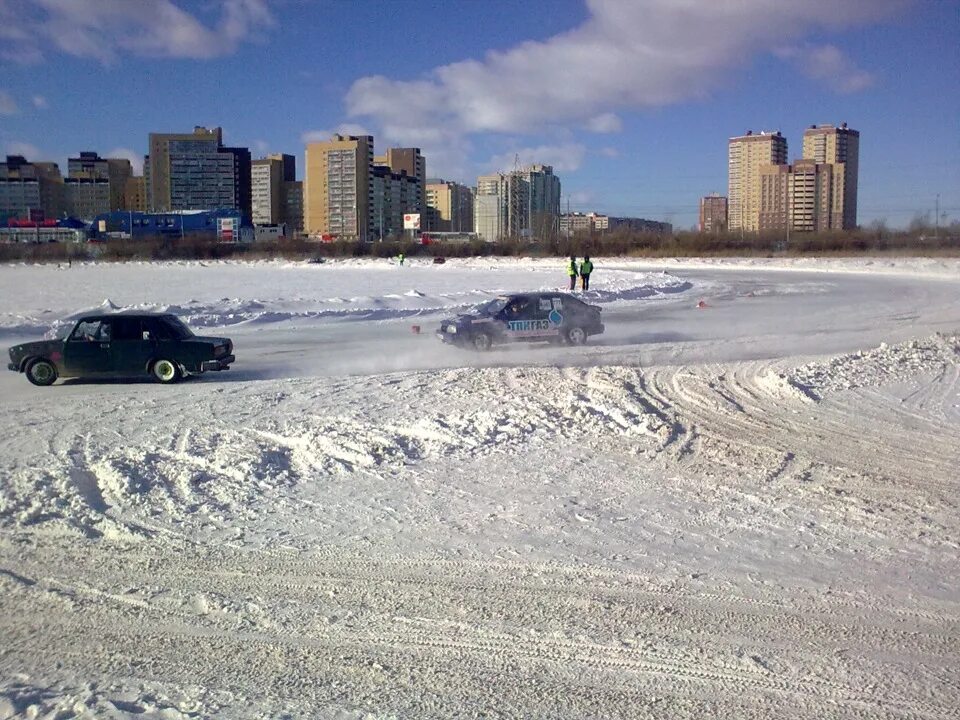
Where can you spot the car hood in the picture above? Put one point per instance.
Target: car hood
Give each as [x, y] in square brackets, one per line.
[38, 347]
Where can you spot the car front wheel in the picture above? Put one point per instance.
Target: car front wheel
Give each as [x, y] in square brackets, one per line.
[165, 371]
[576, 336]
[482, 342]
[42, 372]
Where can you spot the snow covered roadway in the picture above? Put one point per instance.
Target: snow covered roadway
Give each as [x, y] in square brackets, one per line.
[747, 510]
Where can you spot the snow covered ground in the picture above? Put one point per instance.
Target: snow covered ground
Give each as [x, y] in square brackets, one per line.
[748, 509]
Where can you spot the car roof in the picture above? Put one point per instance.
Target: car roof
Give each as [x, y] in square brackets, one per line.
[124, 314]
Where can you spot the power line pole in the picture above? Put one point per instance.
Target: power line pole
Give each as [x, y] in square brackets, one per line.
[936, 220]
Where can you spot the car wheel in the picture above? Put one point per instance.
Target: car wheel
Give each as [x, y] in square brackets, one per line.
[165, 371]
[42, 372]
[482, 342]
[576, 336]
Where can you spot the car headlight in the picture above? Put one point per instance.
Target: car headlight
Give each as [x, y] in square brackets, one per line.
[452, 329]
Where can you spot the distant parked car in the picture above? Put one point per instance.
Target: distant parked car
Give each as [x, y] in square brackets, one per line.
[527, 317]
[439, 260]
[122, 345]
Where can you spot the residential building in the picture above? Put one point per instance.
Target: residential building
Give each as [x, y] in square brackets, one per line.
[266, 178]
[452, 206]
[337, 187]
[746, 155]
[194, 171]
[797, 197]
[640, 225]
[86, 176]
[713, 213]
[839, 147]
[292, 211]
[30, 189]
[135, 194]
[411, 162]
[288, 164]
[578, 222]
[773, 213]
[86, 197]
[528, 205]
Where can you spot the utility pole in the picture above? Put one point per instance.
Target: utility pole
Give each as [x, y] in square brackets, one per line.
[936, 220]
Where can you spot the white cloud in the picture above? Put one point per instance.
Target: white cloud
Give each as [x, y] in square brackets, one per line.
[103, 29]
[563, 158]
[135, 158]
[827, 63]
[610, 152]
[40, 102]
[628, 54]
[8, 106]
[310, 136]
[30, 152]
[605, 123]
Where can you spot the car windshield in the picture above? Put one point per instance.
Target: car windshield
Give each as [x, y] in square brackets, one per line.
[492, 307]
[175, 326]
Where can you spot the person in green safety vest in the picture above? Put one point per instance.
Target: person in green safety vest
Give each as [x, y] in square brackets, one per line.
[586, 267]
[400, 258]
[572, 272]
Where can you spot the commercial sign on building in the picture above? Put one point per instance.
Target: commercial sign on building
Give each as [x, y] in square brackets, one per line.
[411, 221]
[226, 229]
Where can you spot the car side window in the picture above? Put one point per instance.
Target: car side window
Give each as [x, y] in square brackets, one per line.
[91, 331]
[156, 330]
[126, 329]
[518, 308]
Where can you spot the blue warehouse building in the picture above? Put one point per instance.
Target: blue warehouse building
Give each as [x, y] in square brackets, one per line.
[148, 226]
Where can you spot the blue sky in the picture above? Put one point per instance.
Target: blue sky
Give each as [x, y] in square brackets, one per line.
[632, 101]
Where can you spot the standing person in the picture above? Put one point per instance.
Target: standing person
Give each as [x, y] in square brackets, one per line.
[400, 258]
[586, 267]
[572, 272]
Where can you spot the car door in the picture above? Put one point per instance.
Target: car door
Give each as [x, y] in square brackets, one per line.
[131, 346]
[519, 318]
[87, 350]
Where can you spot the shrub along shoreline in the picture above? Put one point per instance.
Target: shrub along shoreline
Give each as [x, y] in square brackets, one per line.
[617, 244]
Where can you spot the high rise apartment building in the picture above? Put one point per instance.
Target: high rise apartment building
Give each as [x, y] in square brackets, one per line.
[266, 178]
[747, 154]
[337, 187]
[839, 147]
[452, 204]
[194, 171]
[713, 213]
[31, 190]
[522, 203]
[407, 161]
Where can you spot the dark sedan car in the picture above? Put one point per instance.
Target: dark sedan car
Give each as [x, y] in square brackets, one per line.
[122, 345]
[527, 317]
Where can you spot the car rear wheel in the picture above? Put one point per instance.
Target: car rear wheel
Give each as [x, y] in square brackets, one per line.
[42, 372]
[576, 336]
[482, 342]
[165, 371]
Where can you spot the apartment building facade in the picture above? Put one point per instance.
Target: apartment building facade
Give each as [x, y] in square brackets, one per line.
[195, 171]
[840, 148]
[713, 214]
[527, 204]
[31, 190]
[747, 154]
[452, 204]
[337, 188]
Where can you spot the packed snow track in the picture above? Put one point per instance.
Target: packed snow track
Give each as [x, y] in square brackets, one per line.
[746, 510]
